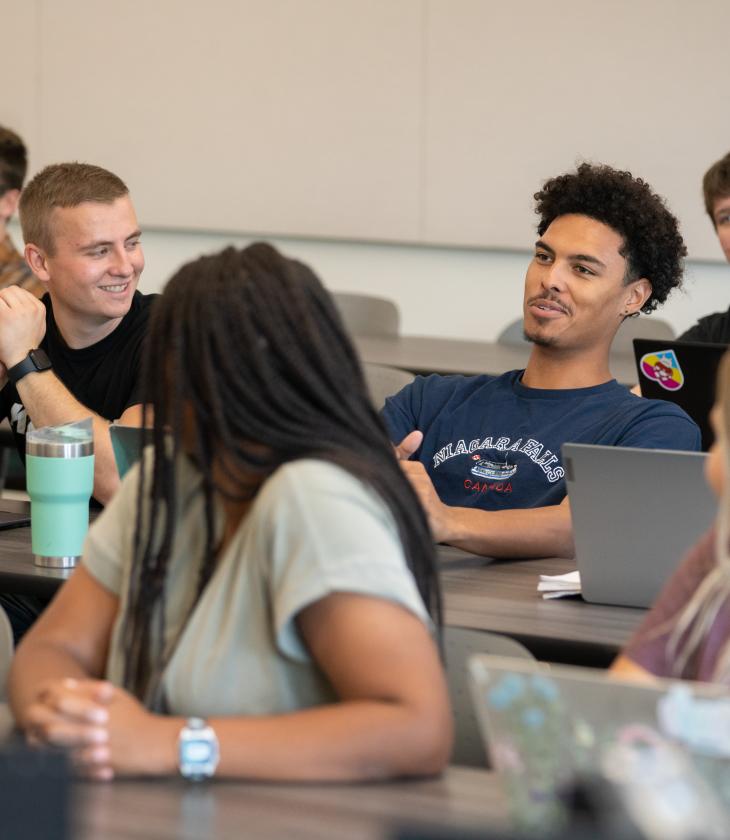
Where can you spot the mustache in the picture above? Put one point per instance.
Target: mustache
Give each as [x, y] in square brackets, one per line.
[550, 298]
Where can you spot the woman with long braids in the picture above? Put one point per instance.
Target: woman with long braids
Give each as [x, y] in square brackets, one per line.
[258, 600]
[686, 634]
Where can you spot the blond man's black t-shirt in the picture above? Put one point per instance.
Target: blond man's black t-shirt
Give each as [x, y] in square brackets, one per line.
[105, 377]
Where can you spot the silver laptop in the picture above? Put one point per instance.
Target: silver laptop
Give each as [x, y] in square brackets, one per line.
[544, 727]
[635, 514]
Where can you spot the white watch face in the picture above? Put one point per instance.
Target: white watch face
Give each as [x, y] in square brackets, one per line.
[198, 753]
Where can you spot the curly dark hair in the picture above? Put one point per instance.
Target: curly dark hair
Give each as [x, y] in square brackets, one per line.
[653, 246]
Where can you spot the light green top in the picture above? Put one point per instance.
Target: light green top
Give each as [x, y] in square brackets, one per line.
[313, 529]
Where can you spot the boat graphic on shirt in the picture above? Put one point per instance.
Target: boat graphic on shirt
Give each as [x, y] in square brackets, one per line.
[493, 470]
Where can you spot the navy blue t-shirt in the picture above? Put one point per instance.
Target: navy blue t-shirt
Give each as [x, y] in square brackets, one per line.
[492, 443]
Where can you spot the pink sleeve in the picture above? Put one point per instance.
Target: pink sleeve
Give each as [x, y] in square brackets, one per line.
[648, 646]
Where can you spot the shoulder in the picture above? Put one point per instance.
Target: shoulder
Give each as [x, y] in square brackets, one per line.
[318, 510]
[715, 318]
[321, 499]
[428, 398]
[438, 390]
[306, 481]
[648, 408]
[657, 424]
[711, 328]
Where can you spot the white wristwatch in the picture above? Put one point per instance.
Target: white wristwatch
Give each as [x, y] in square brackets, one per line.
[198, 750]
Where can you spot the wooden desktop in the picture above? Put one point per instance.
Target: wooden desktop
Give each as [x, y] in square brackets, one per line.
[479, 593]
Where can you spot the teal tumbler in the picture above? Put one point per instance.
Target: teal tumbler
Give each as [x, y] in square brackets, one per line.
[60, 479]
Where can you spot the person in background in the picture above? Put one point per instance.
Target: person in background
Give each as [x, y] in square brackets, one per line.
[83, 243]
[262, 584]
[77, 352]
[14, 271]
[686, 633]
[483, 452]
[715, 328]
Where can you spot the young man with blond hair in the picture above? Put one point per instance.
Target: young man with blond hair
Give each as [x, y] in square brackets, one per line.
[77, 352]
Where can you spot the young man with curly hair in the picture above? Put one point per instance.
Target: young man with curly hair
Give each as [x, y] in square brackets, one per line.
[715, 328]
[483, 452]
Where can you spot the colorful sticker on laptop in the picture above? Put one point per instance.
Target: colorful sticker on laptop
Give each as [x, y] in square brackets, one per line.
[662, 367]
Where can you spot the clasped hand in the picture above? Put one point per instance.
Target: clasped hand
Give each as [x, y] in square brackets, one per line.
[437, 512]
[22, 325]
[102, 726]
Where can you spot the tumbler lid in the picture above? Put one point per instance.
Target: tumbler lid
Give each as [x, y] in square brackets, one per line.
[70, 440]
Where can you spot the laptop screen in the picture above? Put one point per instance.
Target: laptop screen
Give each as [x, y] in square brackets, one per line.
[681, 372]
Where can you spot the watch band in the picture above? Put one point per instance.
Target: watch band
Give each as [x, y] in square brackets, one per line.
[36, 360]
[198, 750]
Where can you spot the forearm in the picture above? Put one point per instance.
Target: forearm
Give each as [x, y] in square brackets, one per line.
[516, 533]
[49, 403]
[34, 664]
[348, 741]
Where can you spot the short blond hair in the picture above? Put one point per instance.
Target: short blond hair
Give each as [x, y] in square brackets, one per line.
[63, 185]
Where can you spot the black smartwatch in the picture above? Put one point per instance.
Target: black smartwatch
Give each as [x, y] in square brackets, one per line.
[35, 361]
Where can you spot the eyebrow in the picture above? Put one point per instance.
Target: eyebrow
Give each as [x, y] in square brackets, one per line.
[99, 242]
[579, 257]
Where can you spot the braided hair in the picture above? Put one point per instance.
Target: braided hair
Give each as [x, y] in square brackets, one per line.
[249, 345]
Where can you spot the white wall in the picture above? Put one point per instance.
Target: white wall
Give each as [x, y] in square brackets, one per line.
[449, 292]
[406, 121]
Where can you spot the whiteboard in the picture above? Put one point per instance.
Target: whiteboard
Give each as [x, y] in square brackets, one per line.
[423, 121]
[518, 92]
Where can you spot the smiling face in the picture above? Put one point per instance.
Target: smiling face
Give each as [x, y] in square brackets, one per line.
[96, 262]
[575, 295]
[721, 218]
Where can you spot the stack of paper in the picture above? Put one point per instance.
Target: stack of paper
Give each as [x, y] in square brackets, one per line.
[559, 586]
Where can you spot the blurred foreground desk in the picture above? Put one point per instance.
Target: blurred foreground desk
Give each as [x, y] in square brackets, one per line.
[173, 810]
[424, 354]
[502, 596]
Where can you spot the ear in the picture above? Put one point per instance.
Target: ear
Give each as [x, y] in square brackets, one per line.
[37, 259]
[637, 294]
[9, 204]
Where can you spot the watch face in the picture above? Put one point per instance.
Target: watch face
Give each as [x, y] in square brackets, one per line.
[40, 359]
[197, 751]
